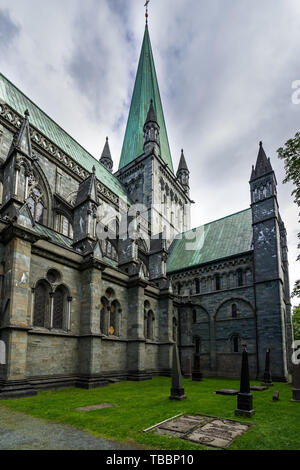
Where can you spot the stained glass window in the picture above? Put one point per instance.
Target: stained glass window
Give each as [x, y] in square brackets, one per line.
[40, 304]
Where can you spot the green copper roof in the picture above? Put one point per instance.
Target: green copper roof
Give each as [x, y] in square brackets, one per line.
[219, 239]
[19, 102]
[145, 89]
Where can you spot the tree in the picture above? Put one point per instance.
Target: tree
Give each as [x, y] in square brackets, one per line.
[290, 154]
[296, 322]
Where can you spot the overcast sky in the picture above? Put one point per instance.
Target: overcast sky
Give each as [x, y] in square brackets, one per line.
[225, 71]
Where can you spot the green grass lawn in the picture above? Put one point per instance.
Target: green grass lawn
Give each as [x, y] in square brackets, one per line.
[143, 404]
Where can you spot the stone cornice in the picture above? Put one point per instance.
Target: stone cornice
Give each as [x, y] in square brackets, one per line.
[17, 231]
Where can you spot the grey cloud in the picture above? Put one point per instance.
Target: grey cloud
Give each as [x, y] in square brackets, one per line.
[8, 29]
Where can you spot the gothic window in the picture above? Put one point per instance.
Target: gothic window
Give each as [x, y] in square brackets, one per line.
[218, 282]
[197, 285]
[115, 318]
[179, 288]
[235, 343]
[104, 315]
[35, 204]
[64, 226]
[150, 325]
[59, 308]
[109, 250]
[41, 303]
[234, 311]
[240, 278]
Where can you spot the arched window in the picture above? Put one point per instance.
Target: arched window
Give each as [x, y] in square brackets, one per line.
[150, 325]
[115, 318]
[179, 288]
[234, 311]
[240, 278]
[59, 308]
[64, 225]
[218, 282]
[109, 250]
[197, 285]
[174, 329]
[36, 205]
[235, 341]
[104, 315]
[41, 303]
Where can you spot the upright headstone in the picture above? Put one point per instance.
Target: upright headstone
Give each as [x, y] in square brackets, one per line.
[177, 390]
[196, 374]
[267, 381]
[244, 400]
[296, 383]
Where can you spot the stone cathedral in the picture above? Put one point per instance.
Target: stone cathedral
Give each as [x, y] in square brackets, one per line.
[100, 271]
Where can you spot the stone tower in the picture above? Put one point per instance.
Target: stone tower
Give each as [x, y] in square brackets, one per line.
[146, 167]
[271, 312]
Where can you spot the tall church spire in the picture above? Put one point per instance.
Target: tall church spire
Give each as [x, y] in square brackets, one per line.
[145, 89]
[263, 165]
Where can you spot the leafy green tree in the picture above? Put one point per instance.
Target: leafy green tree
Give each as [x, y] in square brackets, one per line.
[290, 154]
[296, 322]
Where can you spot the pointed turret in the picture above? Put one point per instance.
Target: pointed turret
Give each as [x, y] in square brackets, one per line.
[145, 89]
[85, 214]
[263, 165]
[106, 159]
[183, 174]
[151, 132]
[17, 169]
[21, 141]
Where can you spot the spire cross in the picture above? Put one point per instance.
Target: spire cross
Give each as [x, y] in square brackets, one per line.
[146, 15]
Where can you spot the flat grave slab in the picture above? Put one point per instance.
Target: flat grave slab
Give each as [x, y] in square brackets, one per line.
[258, 388]
[227, 391]
[96, 407]
[200, 429]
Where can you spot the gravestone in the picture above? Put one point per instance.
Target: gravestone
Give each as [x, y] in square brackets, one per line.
[296, 383]
[257, 388]
[177, 390]
[201, 429]
[276, 395]
[267, 381]
[102, 406]
[244, 400]
[227, 391]
[196, 374]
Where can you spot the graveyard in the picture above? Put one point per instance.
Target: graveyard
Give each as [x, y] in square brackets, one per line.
[138, 406]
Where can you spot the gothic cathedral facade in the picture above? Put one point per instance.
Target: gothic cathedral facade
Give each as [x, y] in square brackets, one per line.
[101, 273]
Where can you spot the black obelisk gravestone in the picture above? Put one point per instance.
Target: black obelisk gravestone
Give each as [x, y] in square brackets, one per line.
[267, 381]
[177, 391]
[196, 372]
[296, 383]
[244, 399]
